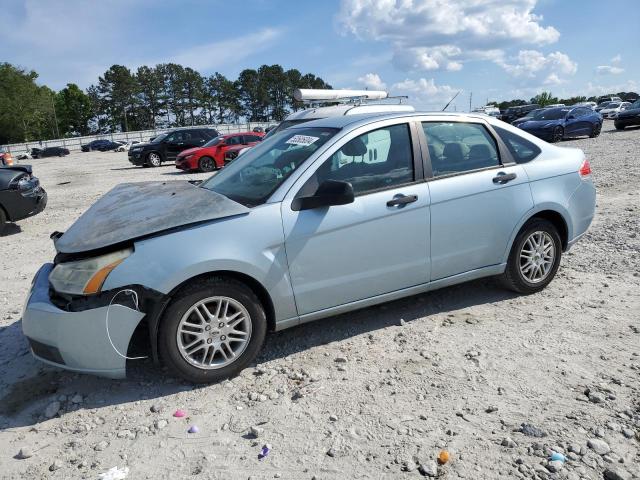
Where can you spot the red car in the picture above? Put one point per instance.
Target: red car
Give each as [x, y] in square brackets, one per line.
[211, 155]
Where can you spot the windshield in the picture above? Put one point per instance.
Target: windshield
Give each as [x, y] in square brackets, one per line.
[551, 114]
[159, 138]
[286, 124]
[254, 176]
[613, 105]
[213, 142]
[635, 104]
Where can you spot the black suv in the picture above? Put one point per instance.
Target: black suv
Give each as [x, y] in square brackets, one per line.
[513, 113]
[166, 146]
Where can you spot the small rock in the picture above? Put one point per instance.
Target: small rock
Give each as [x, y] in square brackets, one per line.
[155, 408]
[340, 360]
[333, 418]
[555, 466]
[508, 442]
[160, 424]
[56, 465]
[627, 432]
[256, 431]
[402, 322]
[101, 446]
[52, 409]
[531, 431]
[615, 474]
[599, 446]
[596, 397]
[491, 409]
[429, 468]
[24, 453]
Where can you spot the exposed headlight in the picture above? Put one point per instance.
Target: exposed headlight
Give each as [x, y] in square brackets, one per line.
[85, 277]
[24, 183]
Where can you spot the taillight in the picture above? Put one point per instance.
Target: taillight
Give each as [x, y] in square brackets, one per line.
[585, 169]
[8, 159]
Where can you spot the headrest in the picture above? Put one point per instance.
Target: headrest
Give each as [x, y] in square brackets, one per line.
[354, 148]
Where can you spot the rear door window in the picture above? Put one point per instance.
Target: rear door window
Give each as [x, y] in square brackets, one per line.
[457, 147]
[521, 149]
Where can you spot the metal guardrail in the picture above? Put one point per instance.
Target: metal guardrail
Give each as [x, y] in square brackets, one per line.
[74, 143]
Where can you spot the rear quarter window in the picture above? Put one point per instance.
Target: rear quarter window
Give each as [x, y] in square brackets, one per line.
[522, 150]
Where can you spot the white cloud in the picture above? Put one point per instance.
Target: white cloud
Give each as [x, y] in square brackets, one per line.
[215, 55]
[372, 81]
[609, 70]
[425, 93]
[442, 34]
[532, 66]
[617, 59]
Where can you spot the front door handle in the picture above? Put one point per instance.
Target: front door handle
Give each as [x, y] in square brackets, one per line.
[400, 200]
[503, 178]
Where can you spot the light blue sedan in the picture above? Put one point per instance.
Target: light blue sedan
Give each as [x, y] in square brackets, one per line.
[322, 218]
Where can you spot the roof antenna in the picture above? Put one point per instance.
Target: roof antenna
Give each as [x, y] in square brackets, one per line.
[454, 97]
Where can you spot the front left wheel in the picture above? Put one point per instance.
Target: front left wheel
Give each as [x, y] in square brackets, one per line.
[595, 130]
[206, 164]
[154, 159]
[212, 330]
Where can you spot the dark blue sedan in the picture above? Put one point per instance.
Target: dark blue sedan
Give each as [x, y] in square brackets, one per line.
[554, 124]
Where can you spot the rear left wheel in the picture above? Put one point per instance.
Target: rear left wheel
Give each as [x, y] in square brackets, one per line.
[212, 330]
[534, 258]
[595, 130]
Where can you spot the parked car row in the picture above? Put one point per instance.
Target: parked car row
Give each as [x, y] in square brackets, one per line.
[557, 123]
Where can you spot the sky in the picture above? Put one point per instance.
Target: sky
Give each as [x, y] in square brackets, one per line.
[489, 50]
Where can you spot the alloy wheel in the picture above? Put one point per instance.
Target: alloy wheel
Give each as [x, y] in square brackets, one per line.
[558, 134]
[214, 332]
[537, 256]
[154, 159]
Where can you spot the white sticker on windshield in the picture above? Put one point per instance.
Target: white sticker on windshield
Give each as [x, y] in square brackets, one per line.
[304, 140]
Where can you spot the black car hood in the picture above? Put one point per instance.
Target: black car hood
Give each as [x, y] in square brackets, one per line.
[8, 174]
[629, 113]
[131, 211]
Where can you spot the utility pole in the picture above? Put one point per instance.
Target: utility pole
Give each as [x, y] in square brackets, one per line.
[55, 117]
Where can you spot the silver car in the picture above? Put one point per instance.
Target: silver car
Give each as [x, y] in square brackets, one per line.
[322, 218]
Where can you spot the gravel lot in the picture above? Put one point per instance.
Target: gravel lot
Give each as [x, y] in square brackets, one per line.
[372, 394]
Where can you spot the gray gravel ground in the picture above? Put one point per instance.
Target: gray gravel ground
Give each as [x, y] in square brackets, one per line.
[372, 394]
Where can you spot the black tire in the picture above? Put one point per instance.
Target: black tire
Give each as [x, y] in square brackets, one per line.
[557, 135]
[3, 220]
[183, 301]
[595, 130]
[513, 278]
[206, 164]
[154, 159]
[618, 126]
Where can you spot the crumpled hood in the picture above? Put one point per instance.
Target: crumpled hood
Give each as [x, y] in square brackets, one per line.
[133, 210]
[540, 123]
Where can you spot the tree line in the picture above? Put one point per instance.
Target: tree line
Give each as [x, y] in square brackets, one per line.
[163, 96]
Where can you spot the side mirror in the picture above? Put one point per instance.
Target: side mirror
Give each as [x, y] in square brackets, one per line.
[570, 117]
[330, 192]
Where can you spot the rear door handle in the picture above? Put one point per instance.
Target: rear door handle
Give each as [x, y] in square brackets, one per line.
[503, 178]
[400, 200]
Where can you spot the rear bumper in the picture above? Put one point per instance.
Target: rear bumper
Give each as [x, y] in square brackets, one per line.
[77, 341]
[581, 206]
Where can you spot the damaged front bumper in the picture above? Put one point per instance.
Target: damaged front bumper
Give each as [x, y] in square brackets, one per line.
[77, 340]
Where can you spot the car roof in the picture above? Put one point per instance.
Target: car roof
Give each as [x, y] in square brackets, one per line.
[344, 109]
[354, 121]
[227, 135]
